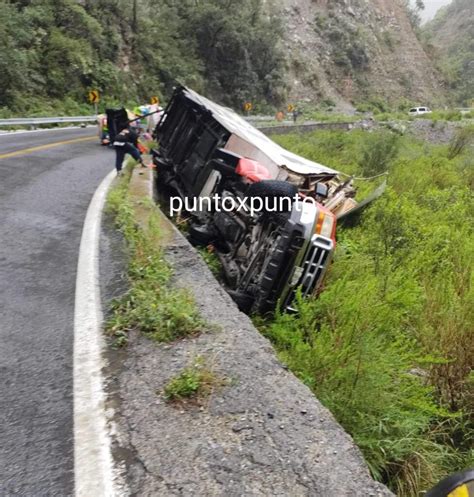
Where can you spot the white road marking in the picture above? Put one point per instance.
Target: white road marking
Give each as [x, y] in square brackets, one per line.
[93, 464]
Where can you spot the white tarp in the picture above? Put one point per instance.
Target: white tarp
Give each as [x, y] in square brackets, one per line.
[267, 150]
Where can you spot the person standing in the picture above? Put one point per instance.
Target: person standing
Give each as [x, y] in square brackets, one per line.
[126, 142]
[295, 115]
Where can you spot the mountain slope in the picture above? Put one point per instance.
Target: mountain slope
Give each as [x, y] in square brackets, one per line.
[54, 51]
[451, 35]
[354, 50]
[267, 51]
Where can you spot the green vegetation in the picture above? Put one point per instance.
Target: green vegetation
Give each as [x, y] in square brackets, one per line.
[376, 105]
[413, 10]
[388, 346]
[449, 39]
[53, 51]
[193, 383]
[211, 259]
[151, 305]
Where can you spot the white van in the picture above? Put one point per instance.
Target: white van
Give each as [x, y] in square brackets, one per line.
[419, 111]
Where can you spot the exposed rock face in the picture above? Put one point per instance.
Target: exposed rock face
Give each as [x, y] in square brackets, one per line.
[350, 50]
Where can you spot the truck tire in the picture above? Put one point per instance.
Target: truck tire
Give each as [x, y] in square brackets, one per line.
[201, 235]
[271, 191]
[243, 300]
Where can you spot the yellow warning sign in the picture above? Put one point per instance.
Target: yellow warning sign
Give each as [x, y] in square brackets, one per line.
[154, 101]
[248, 106]
[291, 107]
[94, 96]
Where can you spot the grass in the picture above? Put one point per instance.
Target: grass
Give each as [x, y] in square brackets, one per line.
[388, 346]
[151, 305]
[194, 383]
[211, 259]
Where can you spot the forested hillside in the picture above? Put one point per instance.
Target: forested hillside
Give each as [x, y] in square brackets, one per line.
[55, 50]
[338, 52]
[450, 38]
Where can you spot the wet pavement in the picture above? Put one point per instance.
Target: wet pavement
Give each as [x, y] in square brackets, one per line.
[44, 195]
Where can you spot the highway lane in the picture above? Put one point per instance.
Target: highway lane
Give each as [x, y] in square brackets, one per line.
[12, 141]
[44, 195]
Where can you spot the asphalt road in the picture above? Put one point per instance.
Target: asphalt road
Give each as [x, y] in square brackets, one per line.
[44, 195]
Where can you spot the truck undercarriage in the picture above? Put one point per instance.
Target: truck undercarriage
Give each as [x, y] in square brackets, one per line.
[267, 256]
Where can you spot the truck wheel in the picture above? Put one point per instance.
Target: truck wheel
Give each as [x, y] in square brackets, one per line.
[271, 191]
[201, 235]
[243, 300]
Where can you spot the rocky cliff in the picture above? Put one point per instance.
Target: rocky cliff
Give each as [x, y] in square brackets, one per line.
[348, 51]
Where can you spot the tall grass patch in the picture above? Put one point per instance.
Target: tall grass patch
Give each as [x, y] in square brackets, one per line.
[151, 305]
[388, 346]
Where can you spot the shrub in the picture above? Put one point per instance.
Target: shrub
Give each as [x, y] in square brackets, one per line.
[461, 140]
[378, 151]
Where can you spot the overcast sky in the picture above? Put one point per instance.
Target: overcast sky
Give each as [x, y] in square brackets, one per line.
[431, 6]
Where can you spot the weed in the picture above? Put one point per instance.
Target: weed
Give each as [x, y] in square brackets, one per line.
[195, 383]
[211, 259]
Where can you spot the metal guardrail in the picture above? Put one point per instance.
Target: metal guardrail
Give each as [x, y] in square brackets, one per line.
[259, 118]
[33, 121]
[465, 110]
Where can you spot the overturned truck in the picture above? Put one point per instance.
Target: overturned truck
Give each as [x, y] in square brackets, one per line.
[268, 214]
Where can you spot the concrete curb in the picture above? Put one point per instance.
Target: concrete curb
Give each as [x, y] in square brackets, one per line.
[263, 434]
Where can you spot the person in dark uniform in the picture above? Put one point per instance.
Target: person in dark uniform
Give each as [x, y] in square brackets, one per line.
[126, 142]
